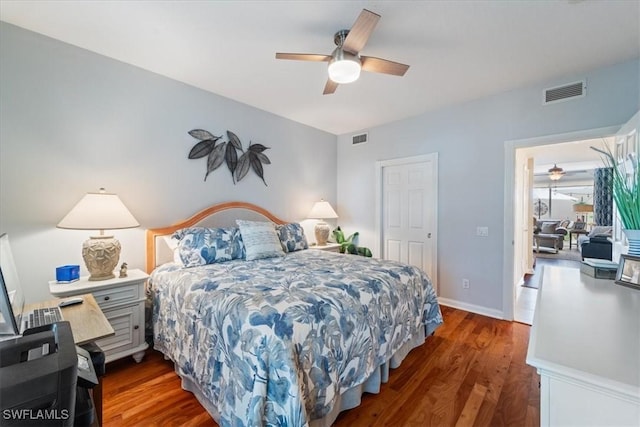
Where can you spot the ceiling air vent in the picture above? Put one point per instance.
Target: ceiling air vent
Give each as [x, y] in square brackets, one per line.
[565, 92]
[359, 139]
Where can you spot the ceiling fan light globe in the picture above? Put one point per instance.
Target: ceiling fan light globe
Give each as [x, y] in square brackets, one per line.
[344, 67]
[344, 71]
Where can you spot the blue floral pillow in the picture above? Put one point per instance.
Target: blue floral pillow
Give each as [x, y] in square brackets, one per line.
[292, 237]
[201, 246]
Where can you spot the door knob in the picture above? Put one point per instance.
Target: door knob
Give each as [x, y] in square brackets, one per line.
[428, 235]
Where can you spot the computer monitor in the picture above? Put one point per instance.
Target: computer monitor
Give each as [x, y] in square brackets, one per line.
[11, 296]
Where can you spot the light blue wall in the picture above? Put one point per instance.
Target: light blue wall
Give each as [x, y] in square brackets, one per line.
[72, 121]
[470, 139]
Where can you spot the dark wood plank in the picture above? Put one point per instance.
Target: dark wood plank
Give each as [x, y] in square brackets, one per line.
[471, 372]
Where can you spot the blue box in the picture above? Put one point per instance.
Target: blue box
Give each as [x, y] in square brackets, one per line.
[67, 273]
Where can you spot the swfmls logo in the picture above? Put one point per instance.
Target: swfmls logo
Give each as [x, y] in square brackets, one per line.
[39, 414]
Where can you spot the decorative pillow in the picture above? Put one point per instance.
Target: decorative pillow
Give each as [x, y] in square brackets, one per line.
[292, 237]
[172, 243]
[201, 246]
[260, 239]
[598, 230]
[549, 227]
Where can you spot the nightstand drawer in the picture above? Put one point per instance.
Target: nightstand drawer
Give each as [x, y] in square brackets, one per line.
[115, 296]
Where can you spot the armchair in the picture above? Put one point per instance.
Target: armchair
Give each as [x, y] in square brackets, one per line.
[599, 247]
[549, 234]
[597, 244]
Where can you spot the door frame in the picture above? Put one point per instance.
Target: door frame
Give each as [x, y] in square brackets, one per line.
[380, 165]
[509, 236]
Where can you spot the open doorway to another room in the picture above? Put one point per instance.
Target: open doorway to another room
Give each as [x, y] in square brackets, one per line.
[555, 209]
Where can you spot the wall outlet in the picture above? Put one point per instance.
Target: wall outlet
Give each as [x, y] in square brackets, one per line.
[482, 231]
[465, 283]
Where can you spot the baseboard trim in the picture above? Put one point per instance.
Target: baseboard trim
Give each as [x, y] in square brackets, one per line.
[477, 309]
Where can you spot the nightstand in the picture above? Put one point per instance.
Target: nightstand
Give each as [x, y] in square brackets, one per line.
[329, 247]
[122, 302]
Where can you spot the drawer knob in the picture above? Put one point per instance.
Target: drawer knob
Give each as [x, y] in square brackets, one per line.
[107, 298]
[136, 327]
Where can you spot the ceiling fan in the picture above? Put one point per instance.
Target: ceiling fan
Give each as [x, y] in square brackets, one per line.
[346, 62]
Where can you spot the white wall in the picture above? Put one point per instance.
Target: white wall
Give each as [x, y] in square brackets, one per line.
[72, 121]
[470, 139]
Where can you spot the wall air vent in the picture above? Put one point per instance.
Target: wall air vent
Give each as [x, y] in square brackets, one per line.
[359, 139]
[565, 92]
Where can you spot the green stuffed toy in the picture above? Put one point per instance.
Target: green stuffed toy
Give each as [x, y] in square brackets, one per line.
[350, 244]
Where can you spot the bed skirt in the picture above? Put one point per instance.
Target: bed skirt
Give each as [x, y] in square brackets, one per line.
[349, 399]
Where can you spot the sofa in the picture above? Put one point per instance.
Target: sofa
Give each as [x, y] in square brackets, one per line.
[550, 233]
[597, 244]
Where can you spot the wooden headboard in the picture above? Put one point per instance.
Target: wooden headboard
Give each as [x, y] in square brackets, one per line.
[222, 215]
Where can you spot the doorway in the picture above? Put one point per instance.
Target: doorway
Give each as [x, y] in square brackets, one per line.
[515, 240]
[406, 211]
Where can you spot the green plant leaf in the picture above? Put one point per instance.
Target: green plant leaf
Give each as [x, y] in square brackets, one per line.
[243, 166]
[364, 252]
[234, 140]
[625, 186]
[215, 159]
[202, 148]
[202, 134]
[231, 157]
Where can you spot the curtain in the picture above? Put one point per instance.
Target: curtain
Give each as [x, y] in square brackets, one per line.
[603, 196]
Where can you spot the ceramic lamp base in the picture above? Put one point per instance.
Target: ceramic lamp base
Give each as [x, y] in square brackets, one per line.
[322, 231]
[101, 255]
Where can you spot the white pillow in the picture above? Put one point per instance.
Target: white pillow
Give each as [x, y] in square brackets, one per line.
[172, 244]
[260, 239]
[601, 229]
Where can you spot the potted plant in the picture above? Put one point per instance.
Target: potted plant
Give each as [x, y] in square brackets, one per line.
[626, 193]
[350, 244]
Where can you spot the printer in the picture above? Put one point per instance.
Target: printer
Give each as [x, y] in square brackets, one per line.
[41, 380]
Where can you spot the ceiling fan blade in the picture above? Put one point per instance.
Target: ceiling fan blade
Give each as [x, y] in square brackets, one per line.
[360, 31]
[384, 66]
[330, 87]
[303, 57]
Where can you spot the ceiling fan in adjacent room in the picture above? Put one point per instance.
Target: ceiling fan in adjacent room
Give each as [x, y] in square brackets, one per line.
[555, 173]
[346, 62]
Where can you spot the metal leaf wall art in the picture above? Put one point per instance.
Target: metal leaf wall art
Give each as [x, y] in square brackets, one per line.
[218, 152]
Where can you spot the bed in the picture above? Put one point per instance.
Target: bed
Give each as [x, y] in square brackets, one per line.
[291, 339]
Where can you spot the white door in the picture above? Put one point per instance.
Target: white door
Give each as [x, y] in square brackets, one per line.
[408, 212]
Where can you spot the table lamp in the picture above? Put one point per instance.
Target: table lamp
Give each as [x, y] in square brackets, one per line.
[322, 210]
[100, 211]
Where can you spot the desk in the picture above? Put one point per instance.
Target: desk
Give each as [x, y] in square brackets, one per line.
[88, 324]
[585, 344]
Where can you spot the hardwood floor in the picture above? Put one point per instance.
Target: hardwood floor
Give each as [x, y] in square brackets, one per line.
[472, 372]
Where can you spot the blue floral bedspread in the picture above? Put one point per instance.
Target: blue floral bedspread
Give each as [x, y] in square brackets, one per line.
[275, 341]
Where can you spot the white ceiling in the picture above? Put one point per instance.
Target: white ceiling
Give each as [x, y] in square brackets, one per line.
[458, 50]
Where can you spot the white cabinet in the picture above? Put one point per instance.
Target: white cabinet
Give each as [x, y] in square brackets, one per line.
[585, 344]
[122, 302]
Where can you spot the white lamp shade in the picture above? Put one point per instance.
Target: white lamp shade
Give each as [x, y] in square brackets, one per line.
[344, 67]
[322, 210]
[99, 211]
